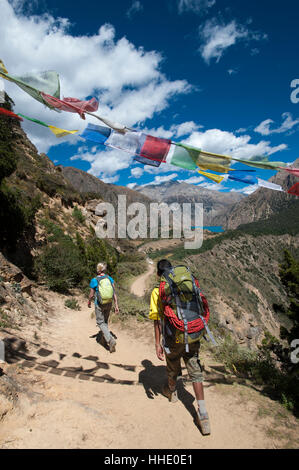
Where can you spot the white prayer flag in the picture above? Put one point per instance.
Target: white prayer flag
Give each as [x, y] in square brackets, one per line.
[269, 185]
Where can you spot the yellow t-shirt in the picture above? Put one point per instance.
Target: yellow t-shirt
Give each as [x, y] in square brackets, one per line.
[156, 307]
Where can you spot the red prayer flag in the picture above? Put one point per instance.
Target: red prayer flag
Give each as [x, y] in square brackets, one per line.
[294, 189]
[293, 171]
[72, 105]
[155, 148]
[10, 114]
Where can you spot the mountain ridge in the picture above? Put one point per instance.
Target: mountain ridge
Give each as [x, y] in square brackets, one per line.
[215, 204]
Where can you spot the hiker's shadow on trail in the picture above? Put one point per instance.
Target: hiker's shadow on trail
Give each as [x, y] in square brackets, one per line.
[101, 340]
[154, 377]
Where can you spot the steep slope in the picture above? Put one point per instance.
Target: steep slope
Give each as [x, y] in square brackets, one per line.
[215, 204]
[263, 202]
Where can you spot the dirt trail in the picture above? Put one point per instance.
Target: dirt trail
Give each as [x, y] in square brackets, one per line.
[114, 400]
[139, 286]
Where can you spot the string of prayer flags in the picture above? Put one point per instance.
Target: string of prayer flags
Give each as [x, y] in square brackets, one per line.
[36, 84]
[294, 190]
[216, 178]
[135, 143]
[8, 113]
[71, 105]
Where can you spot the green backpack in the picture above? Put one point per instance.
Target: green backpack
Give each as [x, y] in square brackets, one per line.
[105, 290]
[185, 309]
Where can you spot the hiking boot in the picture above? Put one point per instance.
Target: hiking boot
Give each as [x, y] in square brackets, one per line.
[172, 396]
[112, 345]
[203, 423]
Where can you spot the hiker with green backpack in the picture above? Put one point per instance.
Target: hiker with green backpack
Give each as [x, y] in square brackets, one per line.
[102, 290]
[180, 313]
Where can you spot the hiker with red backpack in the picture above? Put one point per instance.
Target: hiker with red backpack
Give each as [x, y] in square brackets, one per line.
[102, 290]
[180, 313]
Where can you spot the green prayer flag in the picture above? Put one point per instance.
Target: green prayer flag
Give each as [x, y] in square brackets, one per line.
[181, 157]
[263, 164]
[33, 120]
[35, 84]
[208, 161]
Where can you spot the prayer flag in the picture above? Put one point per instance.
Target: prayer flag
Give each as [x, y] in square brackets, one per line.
[35, 84]
[33, 120]
[129, 142]
[269, 185]
[153, 148]
[294, 189]
[2, 67]
[61, 132]
[248, 179]
[293, 171]
[71, 105]
[147, 161]
[97, 134]
[216, 178]
[207, 160]
[181, 157]
[263, 164]
[10, 114]
[2, 91]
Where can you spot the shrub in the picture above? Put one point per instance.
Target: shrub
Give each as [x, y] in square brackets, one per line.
[77, 214]
[72, 304]
[60, 265]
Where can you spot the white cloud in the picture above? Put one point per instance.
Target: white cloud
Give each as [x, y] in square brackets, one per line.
[126, 79]
[131, 185]
[212, 186]
[136, 172]
[193, 180]
[246, 189]
[162, 179]
[197, 6]
[226, 143]
[232, 71]
[287, 124]
[134, 8]
[105, 164]
[185, 128]
[176, 130]
[219, 37]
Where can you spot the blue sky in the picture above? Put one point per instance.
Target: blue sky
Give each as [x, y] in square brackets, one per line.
[214, 73]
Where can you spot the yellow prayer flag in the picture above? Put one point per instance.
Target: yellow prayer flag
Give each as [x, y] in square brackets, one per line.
[2, 67]
[61, 132]
[214, 162]
[211, 176]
